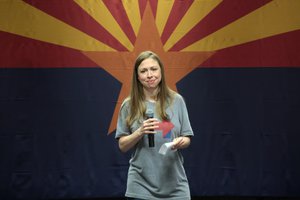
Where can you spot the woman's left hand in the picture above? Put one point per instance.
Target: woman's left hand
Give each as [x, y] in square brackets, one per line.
[181, 142]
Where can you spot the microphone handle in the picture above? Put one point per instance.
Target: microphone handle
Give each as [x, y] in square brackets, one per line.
[151, 140]
[151, 136]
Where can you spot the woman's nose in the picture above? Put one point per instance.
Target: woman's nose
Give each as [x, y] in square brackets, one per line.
[149, 74]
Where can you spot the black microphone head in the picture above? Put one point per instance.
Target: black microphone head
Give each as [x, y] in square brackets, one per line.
[149, 113]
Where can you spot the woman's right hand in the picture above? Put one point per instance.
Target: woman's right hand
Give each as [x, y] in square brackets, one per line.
[149, 126]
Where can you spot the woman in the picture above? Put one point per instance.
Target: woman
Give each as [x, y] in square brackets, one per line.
[153, 175]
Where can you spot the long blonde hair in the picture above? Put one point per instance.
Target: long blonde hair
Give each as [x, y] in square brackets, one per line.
[136, 98]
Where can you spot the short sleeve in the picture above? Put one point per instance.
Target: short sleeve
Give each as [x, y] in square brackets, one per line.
[186, 129]
[122, 128]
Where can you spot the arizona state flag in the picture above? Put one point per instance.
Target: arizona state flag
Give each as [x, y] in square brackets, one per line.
[66, 66]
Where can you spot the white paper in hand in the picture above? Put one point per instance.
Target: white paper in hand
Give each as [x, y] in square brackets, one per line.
[166, 147]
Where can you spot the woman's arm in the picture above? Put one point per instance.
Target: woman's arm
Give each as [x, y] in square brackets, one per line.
[129, 141]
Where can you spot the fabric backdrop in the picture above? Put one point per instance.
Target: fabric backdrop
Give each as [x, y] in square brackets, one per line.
[65, 67]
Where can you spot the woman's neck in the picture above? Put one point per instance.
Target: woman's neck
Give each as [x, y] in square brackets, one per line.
[151, 95]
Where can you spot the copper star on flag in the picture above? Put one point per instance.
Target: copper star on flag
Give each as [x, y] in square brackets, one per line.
[120, 64]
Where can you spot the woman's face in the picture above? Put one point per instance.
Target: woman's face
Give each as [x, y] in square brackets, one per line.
[149, 73]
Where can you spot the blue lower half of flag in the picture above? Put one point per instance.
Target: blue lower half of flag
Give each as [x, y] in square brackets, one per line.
[54, 142]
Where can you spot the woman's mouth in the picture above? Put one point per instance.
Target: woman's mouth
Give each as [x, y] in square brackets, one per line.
[150, 81]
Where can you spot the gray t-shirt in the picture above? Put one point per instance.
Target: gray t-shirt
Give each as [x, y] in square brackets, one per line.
[152, 175]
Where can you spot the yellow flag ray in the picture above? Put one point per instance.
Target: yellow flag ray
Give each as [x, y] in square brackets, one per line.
[163, 11]
[101, 14]
[197, 11]
[22, 19]
[276, 17]
[133, 12]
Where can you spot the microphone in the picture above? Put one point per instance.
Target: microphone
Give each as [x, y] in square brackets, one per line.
[150, 114]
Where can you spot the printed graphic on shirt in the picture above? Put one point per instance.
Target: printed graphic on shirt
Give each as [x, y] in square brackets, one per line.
[166, 128]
